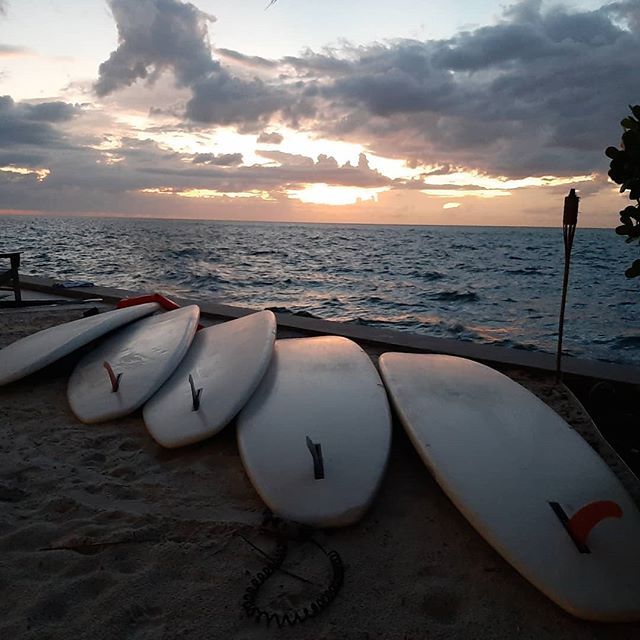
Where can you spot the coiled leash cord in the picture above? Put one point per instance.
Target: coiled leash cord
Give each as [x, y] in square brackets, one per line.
[293, 616]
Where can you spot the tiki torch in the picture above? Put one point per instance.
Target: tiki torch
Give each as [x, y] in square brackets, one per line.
[569, 223]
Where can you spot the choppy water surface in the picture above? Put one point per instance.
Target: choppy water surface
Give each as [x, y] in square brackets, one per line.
[485, 284]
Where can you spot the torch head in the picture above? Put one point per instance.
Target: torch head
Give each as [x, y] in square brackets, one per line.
[570, 216]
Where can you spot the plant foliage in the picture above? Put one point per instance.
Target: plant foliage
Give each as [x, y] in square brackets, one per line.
[624, 170]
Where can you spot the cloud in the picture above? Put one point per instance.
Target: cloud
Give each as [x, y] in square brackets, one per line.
[10, 51]
[226, 100]
[293, 171]
[118, 173]
[541, 91]
[20, 158]
[628, 12]
[155, 35]
[159, 35]
[245, 60]
[23, 123]
[221, 160]
[532, 94]
[291, 159]
[269, 138]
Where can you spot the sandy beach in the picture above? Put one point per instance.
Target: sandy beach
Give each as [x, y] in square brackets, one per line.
[104, 534]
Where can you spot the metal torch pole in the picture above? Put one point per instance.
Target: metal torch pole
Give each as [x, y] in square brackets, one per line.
[569, 223]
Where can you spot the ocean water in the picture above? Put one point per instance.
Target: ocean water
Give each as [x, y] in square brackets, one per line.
[490, 285]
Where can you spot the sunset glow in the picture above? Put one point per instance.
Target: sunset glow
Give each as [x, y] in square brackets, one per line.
[333, 196]
[208, 193]
[378, 127]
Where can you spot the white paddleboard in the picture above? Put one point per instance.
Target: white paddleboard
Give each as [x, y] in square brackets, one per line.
[123, 372]
[505, 459]
[38, 350]
[317, 391]
[221, 370]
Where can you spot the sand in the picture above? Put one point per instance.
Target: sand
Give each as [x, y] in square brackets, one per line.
[103, 534]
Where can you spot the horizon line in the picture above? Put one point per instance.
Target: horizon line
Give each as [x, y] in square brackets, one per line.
[114, 216]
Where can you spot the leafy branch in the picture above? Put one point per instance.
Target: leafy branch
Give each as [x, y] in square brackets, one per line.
[624, 170]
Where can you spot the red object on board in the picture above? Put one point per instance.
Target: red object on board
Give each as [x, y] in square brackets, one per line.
[586, 518]
[164, 302]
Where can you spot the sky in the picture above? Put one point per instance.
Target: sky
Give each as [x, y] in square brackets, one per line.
[405, 112]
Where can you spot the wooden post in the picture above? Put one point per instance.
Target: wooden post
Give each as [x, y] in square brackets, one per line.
[569, 223]
[12, 274]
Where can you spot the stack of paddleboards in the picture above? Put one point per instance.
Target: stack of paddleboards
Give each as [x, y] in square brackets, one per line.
[314, 435]
[191, 384]
[314, 425]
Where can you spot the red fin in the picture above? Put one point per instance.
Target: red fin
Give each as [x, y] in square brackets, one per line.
[586, 518]
[164, 302]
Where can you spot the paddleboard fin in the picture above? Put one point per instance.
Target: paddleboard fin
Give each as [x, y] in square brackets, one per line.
[158, 298]
[113, 378]
[580, 525]
[195, 394]
[585, 519]
[316, 454]
[564, 519]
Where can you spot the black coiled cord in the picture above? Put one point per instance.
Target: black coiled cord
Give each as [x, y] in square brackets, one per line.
[294, 616]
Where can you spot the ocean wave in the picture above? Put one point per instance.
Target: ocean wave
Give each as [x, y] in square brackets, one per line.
[292, 312]
[387, 303]
[457, 329]
[627, 342]
[267, 252]
[464, 247]
[431, 276]
[455, 296]
[513, 344]
[190, 252]
[527, 271]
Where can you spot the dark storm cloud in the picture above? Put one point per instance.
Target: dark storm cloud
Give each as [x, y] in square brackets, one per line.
[396, 79]
[20, 158]
[50, 111]
[159, 35]
[539, 92]
[154, 35]
[31, 124]
[224, 99]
